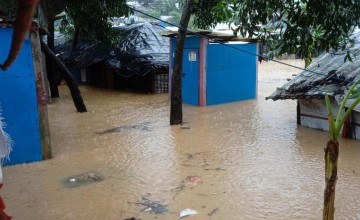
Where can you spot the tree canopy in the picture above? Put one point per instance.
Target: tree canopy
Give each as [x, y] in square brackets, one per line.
[163, 6]
[8, 7]
[92, 17]
[303, 26]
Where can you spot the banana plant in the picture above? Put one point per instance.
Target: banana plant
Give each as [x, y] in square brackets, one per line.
[332, 149]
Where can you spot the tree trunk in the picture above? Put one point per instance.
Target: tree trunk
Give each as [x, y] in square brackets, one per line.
[50, 66]
[331, 162]
[176, 115]
[70, 81]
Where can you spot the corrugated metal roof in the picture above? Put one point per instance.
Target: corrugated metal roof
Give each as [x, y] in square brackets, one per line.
[327, 75]
[212, 34]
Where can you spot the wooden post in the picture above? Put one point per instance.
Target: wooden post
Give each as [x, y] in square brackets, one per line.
[202, 71]
[298, 113]
[41, 97]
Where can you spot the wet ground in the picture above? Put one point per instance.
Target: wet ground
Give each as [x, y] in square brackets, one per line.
[243, 160]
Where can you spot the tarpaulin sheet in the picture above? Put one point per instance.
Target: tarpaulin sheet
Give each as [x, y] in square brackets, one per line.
[140, 50]
[83, 55]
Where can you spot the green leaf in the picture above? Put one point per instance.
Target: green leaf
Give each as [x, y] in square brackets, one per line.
[332, 126]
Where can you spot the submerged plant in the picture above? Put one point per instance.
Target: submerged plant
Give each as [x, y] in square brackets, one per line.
[332, 149]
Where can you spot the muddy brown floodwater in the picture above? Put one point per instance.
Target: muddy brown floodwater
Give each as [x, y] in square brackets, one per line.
[243, 160]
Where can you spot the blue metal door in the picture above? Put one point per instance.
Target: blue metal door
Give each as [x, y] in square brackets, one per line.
[190, 80]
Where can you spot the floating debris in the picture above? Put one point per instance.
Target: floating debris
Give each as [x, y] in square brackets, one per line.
[187, 212]
[192, 155]
[205, 163]
[82, 179]
[142, 127]
[158, 209]
[213, 212]
[178, 189]
[196, 180]
[211, 194]
[216, 169]
[151, 206]
[132, 218]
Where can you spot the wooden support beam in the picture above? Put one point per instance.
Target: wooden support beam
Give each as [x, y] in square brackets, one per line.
[41, 97]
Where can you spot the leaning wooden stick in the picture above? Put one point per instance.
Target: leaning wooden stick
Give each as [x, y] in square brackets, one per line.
[66, 74]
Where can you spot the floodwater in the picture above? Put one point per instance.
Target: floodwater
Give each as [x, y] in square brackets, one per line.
[243, 160]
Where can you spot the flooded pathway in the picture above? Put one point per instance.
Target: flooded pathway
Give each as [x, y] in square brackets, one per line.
[243, 160]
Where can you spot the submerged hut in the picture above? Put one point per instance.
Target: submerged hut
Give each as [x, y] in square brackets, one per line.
[217, 67]
[140, 59]
[328, 75]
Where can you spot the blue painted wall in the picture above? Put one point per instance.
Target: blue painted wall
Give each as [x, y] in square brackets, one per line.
[19, 102]
[231, 75]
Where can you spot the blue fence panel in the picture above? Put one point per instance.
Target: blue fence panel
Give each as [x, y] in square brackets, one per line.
[19, 102]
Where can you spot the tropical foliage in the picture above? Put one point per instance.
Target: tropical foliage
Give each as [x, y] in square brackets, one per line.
[310, 26]
[332, 148]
